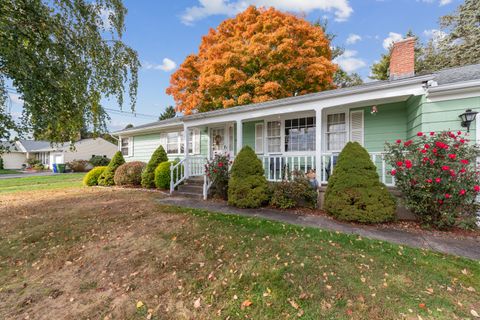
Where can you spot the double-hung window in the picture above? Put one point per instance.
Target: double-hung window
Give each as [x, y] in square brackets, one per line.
[175, 142]
[274, 139]
[336, 131]
[125, 146]
[300, 134]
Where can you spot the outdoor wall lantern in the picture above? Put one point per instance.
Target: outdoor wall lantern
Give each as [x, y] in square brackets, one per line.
[467, 118]
[374, 110]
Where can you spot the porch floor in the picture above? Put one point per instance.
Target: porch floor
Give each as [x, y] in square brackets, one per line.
[468, 247]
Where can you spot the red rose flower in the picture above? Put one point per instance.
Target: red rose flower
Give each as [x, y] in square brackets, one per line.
[426, 146]
[464, 161]
[445, 168]
[476, 188]
[408, 164]
[448, 196]
[399, 163]
[452, 173]
[438, 180]
[462, 192]
[452, 156]
[220, 164]
[440, 201]
[462, 141]
[419, 134]
[407, 143]
[432, 133]
[434, 150]
[393, 172]
[398, 141]
[423, 151]
[429, 180]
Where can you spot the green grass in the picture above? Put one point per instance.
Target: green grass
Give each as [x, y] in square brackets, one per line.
[8, 171]
[41, 182]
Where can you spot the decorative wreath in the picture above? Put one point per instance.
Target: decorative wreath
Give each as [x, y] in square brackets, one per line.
[218, 139]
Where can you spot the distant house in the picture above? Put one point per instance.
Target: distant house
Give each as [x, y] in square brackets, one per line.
[307, 132]
[49, 154]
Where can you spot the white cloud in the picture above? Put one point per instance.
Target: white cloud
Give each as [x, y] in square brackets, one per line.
[436, 35]
[353, 38]
[440, 2]
[167, 65]
[341, 8]
[392, 37]
[349, 62]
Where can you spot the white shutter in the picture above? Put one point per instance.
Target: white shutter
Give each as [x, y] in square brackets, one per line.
[259, 138]
[196, 141]
[356, 126]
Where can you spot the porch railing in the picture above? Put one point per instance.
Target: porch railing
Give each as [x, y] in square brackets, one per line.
[280, 167]
[193, 166]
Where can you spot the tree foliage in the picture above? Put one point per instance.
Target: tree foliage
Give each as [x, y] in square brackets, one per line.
[63, 57]
[260, 55]
[168, 113]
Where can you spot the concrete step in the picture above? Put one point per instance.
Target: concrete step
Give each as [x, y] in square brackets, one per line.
[191, 195]
[194, 181]
[193, 188]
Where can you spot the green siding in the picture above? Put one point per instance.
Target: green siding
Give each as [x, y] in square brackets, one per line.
[249, 133]
[389, 124]
[144, 146]
[414, 116]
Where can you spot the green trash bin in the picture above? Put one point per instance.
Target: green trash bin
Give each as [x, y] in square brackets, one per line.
[61, 167]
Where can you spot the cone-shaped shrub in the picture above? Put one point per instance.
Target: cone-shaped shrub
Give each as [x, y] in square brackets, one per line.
[247, 187]
[106, 178]
[129, 174]
[354, 191]
[148, 175]
[91, 178]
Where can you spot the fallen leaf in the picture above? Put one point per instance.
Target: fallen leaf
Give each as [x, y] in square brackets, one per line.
[474, 313]
[139, 304]
[293, 304]
[422, 305]
[246, 303]
[196, 304]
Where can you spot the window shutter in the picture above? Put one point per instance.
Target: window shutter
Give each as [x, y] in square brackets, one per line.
[259, 138]
[196, 141]
[356, 126]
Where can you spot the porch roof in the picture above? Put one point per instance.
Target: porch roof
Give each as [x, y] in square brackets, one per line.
[323, 97]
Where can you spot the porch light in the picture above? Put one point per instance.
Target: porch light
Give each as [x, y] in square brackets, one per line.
[467, 118]
[374, 110]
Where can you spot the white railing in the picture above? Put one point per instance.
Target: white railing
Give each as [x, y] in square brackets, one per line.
[207, 183]
[192, 166]
[280, 167]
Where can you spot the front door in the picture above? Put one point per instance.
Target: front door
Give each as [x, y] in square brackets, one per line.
[217, 139]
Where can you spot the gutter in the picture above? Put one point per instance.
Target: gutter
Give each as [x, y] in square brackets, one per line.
[453, 87]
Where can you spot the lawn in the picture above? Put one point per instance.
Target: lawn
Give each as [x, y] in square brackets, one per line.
[8, 171]
[41, 182]
[118, 254]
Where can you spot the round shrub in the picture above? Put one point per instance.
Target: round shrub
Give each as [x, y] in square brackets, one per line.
[78, 165]
[129, 174]
[106, 178]
[354, 191]
[162, 175]
[437, 175]
[98, 161]
[148, 175]
[247, 187]
[91, 178]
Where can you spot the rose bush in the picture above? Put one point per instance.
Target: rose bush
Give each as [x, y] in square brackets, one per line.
[217, 171]
[437, 174]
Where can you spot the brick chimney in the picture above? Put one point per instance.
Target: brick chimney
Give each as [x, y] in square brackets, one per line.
[402, 59]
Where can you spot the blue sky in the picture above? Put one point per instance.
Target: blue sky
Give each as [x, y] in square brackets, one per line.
[165, 32]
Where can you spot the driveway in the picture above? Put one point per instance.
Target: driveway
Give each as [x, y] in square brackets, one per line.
[26, 174]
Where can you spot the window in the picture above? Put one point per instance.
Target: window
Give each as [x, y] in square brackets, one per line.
[125, 146]
[274, 136]
[174, 142]
[259, 138]
[336, 131]
[300, 134]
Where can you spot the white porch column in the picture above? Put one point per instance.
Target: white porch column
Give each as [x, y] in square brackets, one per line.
[186, 138]
[318, 143]
[239, 135]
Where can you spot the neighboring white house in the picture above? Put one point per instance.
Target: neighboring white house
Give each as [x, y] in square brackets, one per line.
[48, 154]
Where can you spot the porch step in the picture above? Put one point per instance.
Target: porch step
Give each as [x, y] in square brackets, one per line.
[191, 188]
[194, 181]
[198, 196]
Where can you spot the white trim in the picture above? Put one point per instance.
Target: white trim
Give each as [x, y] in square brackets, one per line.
[259, 150]
[323, 130]
[454, 91]
[362, 142]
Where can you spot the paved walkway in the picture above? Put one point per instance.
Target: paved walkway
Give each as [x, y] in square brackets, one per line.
[466, 247]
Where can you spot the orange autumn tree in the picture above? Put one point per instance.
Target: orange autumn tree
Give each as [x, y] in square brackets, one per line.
[260, 55]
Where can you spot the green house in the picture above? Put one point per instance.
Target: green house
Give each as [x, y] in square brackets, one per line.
[307, 132]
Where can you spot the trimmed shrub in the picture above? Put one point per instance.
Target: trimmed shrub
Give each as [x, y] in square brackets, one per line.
[148, 175]
[106, 178]
[354, 191]
[247, 187]
[162, 174]
[296, 193]
[78, 165]
[438, 178]
[129, 174]
[91, 178]
[98, 161]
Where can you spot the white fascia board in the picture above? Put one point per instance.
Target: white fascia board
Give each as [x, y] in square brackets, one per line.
[453, 91]
[152, 129]
[378, 96]
[20, 146]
